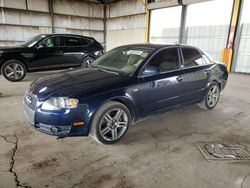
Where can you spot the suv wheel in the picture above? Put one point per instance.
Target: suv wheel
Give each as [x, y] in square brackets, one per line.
[13, 70]
[86, 61]
[211, 97]
[110, 123]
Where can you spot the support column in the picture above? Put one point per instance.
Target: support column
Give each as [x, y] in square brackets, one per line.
[148, 15]
[227, 54]
[105, 26]
[182, 38]
[51, 11]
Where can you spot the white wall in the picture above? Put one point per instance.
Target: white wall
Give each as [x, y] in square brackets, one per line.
[126, 23]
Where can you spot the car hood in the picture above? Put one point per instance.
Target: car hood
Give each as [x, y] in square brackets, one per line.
[13, 48]
[77, 83]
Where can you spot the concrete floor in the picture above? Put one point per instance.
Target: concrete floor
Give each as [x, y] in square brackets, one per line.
[159, 152]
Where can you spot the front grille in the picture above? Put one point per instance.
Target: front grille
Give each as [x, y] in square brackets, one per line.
[30, 100]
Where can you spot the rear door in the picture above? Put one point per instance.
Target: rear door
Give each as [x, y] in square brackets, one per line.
[195, 76]
[74, 49]
[161, 90]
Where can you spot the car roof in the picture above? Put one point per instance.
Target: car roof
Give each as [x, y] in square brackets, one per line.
[69, 35]
[156, 46]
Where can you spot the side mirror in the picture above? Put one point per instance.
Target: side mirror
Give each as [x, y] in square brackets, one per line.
[150, 70]
[40, 45]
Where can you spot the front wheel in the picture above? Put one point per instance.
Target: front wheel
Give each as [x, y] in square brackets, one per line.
[13, 70]
[211, 97]
[110, 123]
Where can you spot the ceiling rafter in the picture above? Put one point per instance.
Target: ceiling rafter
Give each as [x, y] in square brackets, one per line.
[107, 1]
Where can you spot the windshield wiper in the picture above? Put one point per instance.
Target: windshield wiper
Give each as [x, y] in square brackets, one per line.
[108, 71]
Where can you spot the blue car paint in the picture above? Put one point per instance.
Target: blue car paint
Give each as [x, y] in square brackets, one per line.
[143, 96]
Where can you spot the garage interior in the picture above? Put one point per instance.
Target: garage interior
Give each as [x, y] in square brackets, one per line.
[157, 152]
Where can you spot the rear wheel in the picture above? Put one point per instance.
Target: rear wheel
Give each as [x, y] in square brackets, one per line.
[13, 70]
[212, 97]
[87, 61]
[110, 123]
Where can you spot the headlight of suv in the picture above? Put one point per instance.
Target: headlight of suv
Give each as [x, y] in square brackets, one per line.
[1, 52]
[59, 103]
[99, 53]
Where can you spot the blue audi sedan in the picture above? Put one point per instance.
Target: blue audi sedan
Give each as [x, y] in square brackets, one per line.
[121, 87]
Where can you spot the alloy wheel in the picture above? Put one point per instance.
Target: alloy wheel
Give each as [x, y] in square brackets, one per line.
[87, 62]
[213, 96]
[113, 124]
[14, 71]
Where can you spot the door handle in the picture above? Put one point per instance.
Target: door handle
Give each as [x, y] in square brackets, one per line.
[179, 78]
[60, 52]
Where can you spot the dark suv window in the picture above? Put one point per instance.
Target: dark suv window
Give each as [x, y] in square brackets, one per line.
[192, 57]
[76, 41]
[51, 42]
[163, 61]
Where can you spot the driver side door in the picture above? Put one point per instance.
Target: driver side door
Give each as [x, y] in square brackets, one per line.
[160, 83]
[49, 54]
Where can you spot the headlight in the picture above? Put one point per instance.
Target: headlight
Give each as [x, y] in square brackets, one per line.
[1, 52]
[98, 53]
[59, 103]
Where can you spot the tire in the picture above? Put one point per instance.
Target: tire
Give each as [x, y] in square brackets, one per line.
[211, 97]
[110, 129]
[86, 61]
[13, 70]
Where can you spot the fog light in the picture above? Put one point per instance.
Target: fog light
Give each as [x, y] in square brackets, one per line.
[54, 129]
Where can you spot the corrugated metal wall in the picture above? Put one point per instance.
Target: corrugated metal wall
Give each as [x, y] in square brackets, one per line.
[243, 55]
[168, 35]
[209, 38]
[207, 32]
[22, 19]
[126, 23]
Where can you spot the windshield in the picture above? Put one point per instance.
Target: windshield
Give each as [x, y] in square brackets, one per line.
[123, 60]
[31, 42]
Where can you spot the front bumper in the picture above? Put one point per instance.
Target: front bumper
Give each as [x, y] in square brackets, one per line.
[55, 123]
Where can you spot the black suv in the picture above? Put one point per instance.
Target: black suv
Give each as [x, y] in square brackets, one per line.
[48, 52]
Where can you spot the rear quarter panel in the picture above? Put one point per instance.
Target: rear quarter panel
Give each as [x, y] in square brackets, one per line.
[218, 74]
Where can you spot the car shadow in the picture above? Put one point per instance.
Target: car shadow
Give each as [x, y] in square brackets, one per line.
[172, 125]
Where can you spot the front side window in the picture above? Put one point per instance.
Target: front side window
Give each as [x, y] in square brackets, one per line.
[192, 57]
[123, 60]
[33, 41]
[164, 61]
[51, 42]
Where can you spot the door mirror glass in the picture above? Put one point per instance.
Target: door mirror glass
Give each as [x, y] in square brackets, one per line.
[40, 45]
[150, 70]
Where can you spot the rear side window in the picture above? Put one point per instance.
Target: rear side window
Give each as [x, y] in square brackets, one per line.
[207, 61]
[192, 57]
[76, 41]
